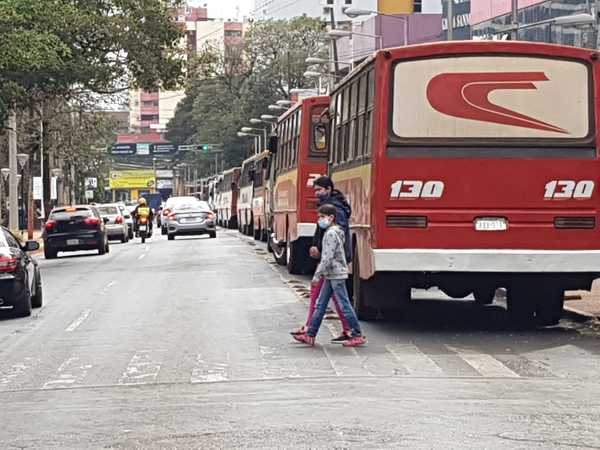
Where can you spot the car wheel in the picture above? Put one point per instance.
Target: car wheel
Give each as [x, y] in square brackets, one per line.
[130, 233]
[38, 298]
[107, 247]
[49, 253]
[102, 249]
[213, 234]
[124, 239]
[23, 306]
[171, 237]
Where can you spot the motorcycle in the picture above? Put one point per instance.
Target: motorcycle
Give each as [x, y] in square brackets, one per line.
[143, 229]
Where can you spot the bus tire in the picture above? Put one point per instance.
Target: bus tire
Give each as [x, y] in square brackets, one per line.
[484, 295]
[298, 262]
[549, 306]
[279, 252]
[362, 295]
[521, 306]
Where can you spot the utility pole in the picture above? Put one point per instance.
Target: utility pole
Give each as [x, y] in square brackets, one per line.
[450, 19]
[334, 51]
[13, 181]
[514, 34]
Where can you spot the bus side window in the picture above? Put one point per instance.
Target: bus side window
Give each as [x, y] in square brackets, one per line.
[320, 137]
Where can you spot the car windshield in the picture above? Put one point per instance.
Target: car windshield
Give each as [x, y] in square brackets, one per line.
[70, 213]
[108, 210]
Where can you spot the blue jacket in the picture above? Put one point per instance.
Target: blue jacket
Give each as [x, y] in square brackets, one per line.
[342, 218]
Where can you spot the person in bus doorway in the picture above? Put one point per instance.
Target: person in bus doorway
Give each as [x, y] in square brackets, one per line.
[333, 268]
[326, 193]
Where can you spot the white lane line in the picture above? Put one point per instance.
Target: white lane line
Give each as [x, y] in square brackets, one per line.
[77, 322]
[142, 369]
[142, 256]
[209, 371]
[487, 365]
[416, 363]
[111, 284]
[70, 373]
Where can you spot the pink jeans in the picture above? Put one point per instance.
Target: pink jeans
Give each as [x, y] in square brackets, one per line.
[315, 290]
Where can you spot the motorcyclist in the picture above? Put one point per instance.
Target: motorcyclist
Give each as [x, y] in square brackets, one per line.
[143, 210]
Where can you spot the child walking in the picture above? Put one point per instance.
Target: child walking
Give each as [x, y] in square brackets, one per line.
[333, 268]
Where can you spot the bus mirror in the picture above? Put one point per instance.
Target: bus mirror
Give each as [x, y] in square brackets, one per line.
[320, 137]
[272, 145]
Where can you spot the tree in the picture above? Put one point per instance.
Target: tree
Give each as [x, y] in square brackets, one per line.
[227, 88]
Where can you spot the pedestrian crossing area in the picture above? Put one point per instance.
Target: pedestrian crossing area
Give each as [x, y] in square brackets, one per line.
[295, 361]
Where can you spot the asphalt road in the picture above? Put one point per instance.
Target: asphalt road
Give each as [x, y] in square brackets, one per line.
[185, 344]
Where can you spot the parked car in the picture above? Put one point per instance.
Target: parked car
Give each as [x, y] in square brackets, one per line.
[189, 219]
[74, 228]
[116, 227]
[171, 203]
[20, 278]
[128, 219]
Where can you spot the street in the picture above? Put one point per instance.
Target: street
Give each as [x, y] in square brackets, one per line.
[185, 344]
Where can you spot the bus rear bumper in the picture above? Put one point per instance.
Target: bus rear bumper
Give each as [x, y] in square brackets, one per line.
[506, 261]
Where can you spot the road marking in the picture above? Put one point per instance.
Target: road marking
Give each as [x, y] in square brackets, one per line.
[209, 372]
[15, 371]
[111, 284]
[142, 256]
[414, 360]
[69, 373]
[77, 322]
[486, 365]
[142, 369]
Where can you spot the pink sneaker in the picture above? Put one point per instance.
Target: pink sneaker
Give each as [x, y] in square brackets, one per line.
[305, 339]
[355, 341]
[298, 331]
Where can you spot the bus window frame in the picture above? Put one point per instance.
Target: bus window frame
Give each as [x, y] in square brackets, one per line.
[395, 143]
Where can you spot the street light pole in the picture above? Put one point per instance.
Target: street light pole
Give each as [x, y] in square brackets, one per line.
[22, 159]
[514, 34]
[450, 19]
[13, 196]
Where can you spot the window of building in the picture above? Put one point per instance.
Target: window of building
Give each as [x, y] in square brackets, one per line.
[417, 6]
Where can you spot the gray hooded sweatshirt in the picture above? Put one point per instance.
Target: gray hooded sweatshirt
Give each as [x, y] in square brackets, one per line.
[333, 264]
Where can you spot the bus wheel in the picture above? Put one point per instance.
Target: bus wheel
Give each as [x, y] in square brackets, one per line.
[484, 295]
[521, 306]
[549, 306]
[361, 294]
[279, 252]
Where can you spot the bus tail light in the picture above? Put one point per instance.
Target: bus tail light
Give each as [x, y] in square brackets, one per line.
[406, 221]
[585, 223]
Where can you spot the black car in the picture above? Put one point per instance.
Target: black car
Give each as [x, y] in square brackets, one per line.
[20, 279]
[74, 228]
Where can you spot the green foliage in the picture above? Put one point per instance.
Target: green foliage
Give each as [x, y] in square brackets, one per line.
[50, 47]
[228, 88]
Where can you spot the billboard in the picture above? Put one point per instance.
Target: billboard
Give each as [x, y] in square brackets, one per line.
[132, 179]
[461, 26]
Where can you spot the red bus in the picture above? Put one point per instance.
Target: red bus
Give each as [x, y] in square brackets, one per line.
[227, 197]
[471, 166]
[300, 156]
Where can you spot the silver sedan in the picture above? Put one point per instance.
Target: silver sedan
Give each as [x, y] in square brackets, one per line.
[191, 220]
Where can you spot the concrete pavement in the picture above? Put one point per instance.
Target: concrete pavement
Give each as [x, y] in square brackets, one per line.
[185, 344]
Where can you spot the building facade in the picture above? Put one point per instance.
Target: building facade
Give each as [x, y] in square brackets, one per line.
[150, 112]
[288, 9]
[491, 18]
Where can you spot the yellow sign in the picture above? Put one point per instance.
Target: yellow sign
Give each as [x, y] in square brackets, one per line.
[395, 6]
[132, 179]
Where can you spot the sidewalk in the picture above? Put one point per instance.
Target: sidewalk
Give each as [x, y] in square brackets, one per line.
[584, 303]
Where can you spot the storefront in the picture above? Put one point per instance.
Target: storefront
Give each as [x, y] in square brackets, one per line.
[491, 18]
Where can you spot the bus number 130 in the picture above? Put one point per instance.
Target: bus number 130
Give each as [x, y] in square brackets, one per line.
[417, 189]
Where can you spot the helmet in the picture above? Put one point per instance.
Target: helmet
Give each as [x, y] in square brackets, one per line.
[142, 201]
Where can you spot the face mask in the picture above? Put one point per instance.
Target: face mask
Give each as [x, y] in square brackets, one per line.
[322, 194]
[324, 223]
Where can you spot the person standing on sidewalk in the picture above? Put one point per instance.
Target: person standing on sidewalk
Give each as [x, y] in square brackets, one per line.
[333, 267]
[326, 193]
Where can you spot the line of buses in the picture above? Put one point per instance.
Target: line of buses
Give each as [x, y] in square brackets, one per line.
[468, 165]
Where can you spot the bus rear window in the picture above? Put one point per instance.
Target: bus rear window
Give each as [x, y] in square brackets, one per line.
[498, 100]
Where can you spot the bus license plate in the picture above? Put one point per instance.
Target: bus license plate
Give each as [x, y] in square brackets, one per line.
[491, 224]
[72, 241]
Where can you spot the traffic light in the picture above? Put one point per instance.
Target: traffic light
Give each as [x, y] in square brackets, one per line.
[204, 147]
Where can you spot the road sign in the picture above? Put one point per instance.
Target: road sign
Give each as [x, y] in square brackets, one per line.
[91, 183]
[185, 148]
[89, 195]
[38, 188]
[163, 149]
[143, 149]
[123, 149]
